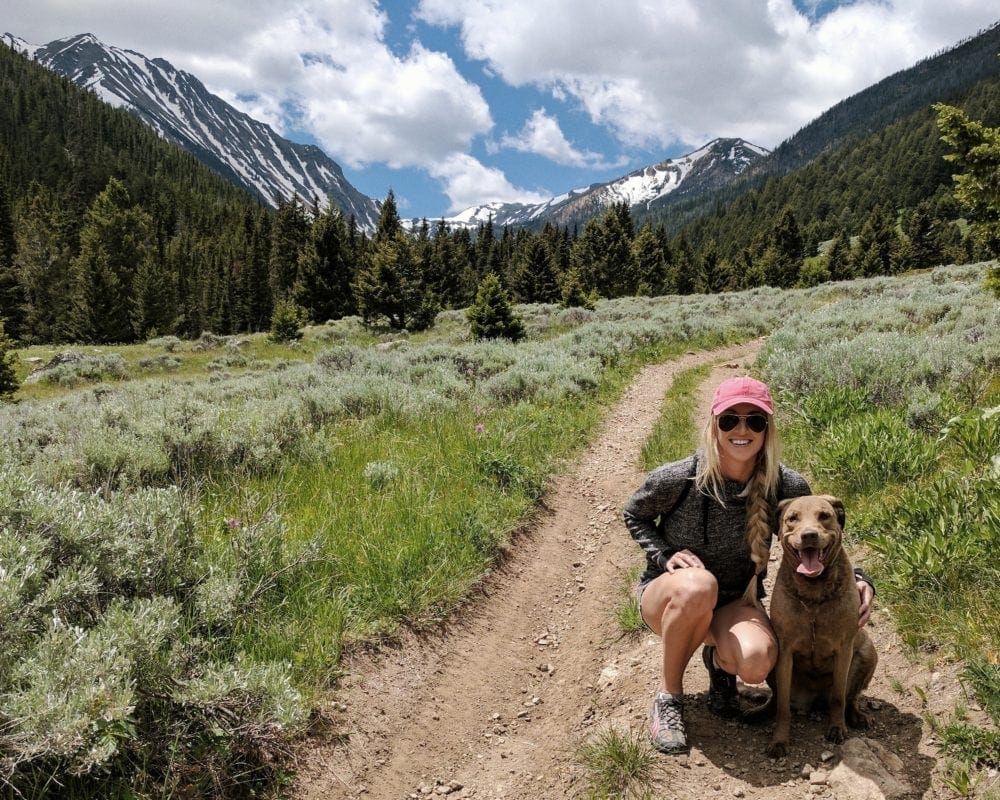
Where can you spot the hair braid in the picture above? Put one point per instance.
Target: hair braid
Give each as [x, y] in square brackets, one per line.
[758, 531]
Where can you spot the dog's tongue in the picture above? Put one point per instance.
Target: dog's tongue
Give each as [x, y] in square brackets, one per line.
[809, 563]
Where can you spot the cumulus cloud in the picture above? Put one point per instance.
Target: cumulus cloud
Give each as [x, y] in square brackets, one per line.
[364, 103]
[658, 74]
[543, 136]
[468, 182]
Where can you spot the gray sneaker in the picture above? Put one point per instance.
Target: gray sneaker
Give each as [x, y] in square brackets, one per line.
[666, 723]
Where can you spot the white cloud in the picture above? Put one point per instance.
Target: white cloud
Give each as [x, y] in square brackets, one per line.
[543, 136]
[682, 71]
[467, 182]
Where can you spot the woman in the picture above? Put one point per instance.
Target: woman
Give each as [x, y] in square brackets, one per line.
[706, 552]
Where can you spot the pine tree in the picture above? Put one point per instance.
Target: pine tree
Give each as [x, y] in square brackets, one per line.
[154, 305]
[287, 322]
[256, 286]
[446, 269]
[323, 283]
[389, 225]
[114, 240]
[977, 186]
[837, 255]
[586, 255]
[710, 277]
[681, 276]
[922, 230]
[491, 316]
[43, 263]
[650, 262]
[574, 294]
[874, 251]
[12, 295]
[288, 237]
[385, 285]
[485, 249]
[534, 279]
[615, 270]
[8, 375]
[783, 258]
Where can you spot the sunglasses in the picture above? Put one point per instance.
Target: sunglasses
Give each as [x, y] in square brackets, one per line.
[755, 422]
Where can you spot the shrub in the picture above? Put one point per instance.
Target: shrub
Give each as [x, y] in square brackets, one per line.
[87, 368]
[992, 281]
[168, 343]
[164, 362]
[380, 474]
[209, 341]
[108, 671]
[864, 454]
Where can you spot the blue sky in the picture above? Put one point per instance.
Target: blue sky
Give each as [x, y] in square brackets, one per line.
[453, 103]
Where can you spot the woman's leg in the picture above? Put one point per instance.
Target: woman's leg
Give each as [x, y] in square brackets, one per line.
[678, 607]
[744, 640]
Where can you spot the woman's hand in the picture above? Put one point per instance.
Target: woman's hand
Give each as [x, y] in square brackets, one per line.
[685, 558]
[865, 610]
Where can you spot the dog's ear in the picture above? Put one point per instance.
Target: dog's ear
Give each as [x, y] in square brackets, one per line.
[782, 506]
[838, 507]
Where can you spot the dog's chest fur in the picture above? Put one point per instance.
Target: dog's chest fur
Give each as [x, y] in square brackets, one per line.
[815, 617]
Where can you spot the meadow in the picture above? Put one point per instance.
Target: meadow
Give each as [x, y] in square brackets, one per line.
[195, 531]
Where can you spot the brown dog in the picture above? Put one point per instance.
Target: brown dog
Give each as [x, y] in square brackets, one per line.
[822, 654]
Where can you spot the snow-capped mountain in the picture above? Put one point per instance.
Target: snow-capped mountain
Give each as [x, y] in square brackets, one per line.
[179, 107]
[715, 164]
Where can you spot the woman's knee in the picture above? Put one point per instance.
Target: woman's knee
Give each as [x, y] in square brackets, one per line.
[694, 590]
[758, 657]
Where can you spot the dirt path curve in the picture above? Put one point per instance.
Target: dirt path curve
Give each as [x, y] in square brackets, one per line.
[497, 705]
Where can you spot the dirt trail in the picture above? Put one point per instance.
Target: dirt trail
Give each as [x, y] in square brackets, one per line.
[497, 705]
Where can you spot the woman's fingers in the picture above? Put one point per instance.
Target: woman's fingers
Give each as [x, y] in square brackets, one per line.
[683, 559]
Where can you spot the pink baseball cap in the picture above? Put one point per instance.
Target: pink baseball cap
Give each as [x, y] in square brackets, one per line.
[733, 391]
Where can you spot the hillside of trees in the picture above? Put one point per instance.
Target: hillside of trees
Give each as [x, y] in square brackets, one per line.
[109, 234]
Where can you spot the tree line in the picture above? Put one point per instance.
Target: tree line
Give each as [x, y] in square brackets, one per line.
[118, 280]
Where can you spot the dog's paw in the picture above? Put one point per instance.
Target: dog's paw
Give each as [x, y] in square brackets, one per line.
[777, 749]
[836, 733]
[857, 718]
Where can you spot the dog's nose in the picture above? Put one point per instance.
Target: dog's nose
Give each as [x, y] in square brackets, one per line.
[809, 538]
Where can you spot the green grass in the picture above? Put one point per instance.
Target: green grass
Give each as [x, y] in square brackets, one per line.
[618, 765]
[675, 436]
[627, 613]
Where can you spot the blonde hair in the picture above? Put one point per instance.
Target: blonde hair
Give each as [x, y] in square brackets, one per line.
[761, 493]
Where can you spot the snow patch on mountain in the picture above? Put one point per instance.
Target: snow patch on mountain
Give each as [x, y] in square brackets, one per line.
[716, 163]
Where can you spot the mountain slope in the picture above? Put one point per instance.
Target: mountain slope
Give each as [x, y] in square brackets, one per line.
[714, 165]
[179, 107]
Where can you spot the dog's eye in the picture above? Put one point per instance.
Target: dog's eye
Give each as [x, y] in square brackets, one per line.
[792, 518]
[824, 516]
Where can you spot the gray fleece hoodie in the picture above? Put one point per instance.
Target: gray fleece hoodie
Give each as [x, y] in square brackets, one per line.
[714, 533]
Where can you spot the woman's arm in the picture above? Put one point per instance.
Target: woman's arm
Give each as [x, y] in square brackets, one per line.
[659, 494]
